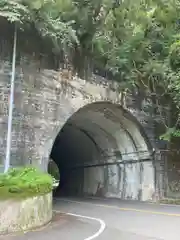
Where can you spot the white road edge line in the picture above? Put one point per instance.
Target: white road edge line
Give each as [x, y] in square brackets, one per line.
[98, 233]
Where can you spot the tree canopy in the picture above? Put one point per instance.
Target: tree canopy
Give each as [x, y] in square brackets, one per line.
[137, 42]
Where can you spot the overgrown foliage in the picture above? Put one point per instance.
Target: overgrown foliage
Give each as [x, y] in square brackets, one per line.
[24, 182]
[137, 42]
[53, 170]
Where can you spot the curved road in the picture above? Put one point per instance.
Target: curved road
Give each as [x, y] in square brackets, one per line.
[88, 219]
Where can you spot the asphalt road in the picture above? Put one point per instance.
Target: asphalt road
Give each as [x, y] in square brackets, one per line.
[88, 219]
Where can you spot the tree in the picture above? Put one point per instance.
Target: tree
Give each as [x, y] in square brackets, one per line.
[140, 46]
[133, 41]
[42, 16]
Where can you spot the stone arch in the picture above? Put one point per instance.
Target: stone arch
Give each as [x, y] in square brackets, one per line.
[73, 95]
[130, 118]
[118, 134]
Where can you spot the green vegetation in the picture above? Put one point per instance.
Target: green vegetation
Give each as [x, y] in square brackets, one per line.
[135, 42]
[26, 182]
[53, 170]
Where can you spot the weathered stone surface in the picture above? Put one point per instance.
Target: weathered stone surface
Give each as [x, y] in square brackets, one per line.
[23, 215]
[122, 181]
[45, 99]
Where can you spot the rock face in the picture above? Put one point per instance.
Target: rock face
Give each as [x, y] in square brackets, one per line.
[23, 215]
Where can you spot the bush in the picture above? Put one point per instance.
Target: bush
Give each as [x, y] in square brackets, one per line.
[24, 182]
[53, 170]
[174, 56]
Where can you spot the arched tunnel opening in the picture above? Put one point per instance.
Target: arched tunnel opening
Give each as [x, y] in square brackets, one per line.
[99, 151]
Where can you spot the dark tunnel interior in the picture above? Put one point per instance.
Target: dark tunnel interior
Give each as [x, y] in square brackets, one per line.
[73, 148]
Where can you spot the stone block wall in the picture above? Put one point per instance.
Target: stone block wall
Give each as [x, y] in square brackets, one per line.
[44, 100]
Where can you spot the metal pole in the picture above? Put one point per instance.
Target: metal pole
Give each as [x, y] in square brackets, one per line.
[8, 147]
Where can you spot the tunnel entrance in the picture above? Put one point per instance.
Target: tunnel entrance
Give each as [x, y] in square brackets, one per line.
[102, 151]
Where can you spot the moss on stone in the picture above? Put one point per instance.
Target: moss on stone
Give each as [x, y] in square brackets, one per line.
[24, 183]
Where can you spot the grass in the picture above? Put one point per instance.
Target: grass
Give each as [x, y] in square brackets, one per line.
[20, 183]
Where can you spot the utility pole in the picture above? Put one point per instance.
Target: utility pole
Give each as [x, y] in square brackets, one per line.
[11, 102]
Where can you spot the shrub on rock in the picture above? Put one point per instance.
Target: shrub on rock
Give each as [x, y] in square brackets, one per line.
[24, 182]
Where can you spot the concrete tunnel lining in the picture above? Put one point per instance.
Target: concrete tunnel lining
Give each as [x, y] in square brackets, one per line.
[101, 133]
